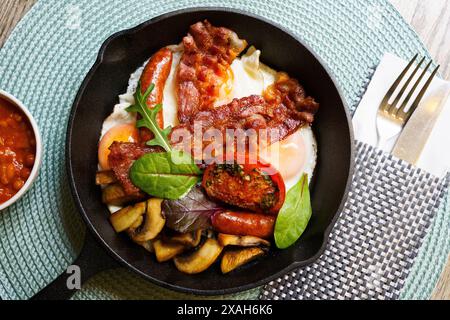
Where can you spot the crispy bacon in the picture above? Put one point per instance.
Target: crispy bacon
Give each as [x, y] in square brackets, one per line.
[122, 157]
[283, 110]
[288, 92]
[208, 53]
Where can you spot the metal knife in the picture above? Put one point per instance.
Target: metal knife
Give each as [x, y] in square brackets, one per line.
[417, 131]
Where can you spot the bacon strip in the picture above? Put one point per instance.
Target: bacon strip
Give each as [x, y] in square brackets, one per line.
[208, 53]
[283, 110]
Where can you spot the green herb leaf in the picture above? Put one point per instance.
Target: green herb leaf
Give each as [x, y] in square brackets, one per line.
[294, 216]
[168, 175]
[149, 118]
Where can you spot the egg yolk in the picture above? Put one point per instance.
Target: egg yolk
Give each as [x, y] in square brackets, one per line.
[120, 133]
[287, 156]
[226, 90]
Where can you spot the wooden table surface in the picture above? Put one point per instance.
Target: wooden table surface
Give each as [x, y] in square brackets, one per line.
[430, 19]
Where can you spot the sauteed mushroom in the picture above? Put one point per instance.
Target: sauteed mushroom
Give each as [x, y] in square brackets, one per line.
[241, 241]
[232, 260]
[190, 239]
[153, 224]
[125, 218]
[116, 196]
[201, 259]
[166, 251]
[135, 225]
[105, 178]
[147, 245]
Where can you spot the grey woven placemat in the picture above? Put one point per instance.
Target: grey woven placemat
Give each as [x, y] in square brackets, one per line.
[374, 243]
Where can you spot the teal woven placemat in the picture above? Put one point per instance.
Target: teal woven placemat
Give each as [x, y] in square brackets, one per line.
[48, 55]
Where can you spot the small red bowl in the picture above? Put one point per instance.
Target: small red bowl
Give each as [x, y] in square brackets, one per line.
[38, 157]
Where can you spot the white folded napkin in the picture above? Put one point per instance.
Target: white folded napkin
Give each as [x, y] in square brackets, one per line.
[435, 157]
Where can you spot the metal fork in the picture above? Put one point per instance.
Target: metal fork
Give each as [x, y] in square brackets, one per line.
[393, 117]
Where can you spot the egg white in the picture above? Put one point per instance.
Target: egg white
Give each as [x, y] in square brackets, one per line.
[250, 77]
[309, 147]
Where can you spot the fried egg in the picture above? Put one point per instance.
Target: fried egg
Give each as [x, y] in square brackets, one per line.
[293, 157]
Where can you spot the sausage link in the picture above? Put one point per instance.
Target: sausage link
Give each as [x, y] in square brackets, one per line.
[244, 224]
[156, 72]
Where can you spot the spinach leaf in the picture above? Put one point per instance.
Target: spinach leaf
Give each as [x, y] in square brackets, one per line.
[294, 216]
[169, 175]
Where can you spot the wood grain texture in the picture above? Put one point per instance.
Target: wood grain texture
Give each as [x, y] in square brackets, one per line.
[11, 11]
[442, 290]
[430, 19]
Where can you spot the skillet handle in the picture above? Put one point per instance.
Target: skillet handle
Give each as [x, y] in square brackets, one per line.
[92, 260]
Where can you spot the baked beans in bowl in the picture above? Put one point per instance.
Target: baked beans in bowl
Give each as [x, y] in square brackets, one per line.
[20, 150]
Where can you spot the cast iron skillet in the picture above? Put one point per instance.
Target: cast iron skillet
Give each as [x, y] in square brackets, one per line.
[124, 52]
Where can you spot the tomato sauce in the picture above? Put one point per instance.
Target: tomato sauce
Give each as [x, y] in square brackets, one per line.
[17, 150]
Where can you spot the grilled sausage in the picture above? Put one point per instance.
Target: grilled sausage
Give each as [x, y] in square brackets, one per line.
[156, 72]
[244, 224]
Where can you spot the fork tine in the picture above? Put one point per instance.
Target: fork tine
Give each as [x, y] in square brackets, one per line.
[407, 115]
[401, 112]
[405, 86]
[385, 103]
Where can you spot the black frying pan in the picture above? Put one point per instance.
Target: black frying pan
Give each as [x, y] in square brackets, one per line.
[124, 52]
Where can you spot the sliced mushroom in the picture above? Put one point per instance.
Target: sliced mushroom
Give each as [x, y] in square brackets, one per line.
[201, 259]
[241, 241]
[232, 260]
[105, 178]
[210, 234]
[147, 245]
[153, 224]
[116, 196]
[126, 218]
[166, 251]
[191, 239]
[136, 224]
